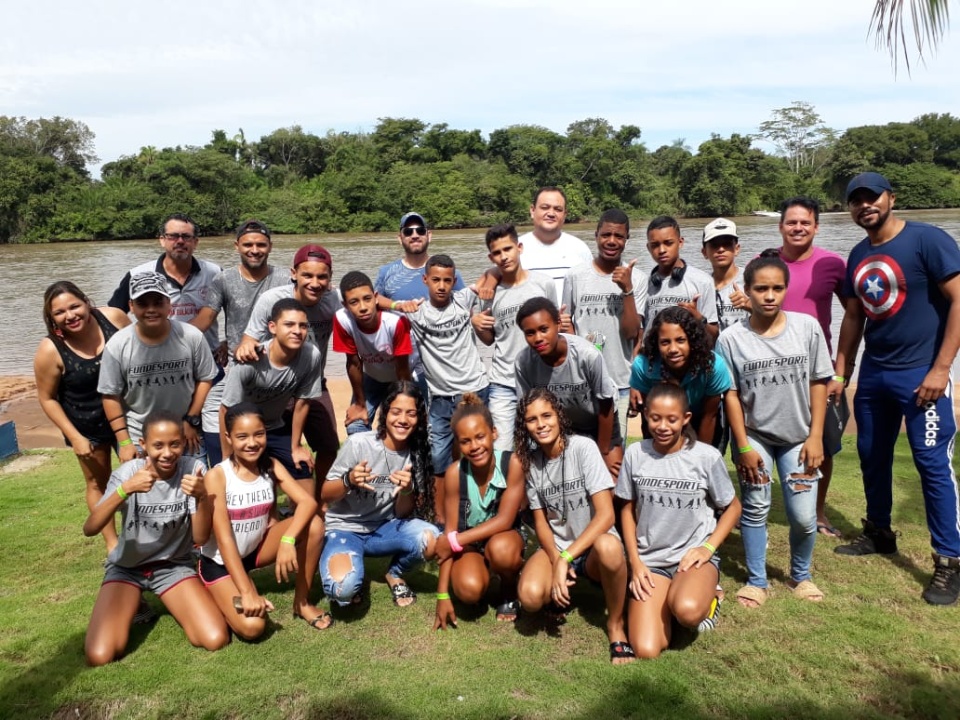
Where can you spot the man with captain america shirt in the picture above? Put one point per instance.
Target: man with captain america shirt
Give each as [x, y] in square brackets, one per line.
[907, 277]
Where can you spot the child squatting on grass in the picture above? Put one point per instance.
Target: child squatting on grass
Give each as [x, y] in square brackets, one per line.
[164, 511]
[780, 365]
[672, 488]
[483, 494]
[372, 490]
[571, 496]
[247, 534]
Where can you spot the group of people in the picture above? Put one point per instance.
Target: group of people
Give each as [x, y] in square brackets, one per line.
[452, 459]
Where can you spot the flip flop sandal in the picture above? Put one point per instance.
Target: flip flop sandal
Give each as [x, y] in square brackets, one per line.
[806, 590]
[508, 611]
[319, 618]
[754, 593]
[620, 650]
[401, 591]
[828, 530]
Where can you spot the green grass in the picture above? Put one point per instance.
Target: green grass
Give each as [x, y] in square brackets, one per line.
[872, 649]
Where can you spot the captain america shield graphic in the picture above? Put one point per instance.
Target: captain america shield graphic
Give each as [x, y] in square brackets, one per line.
[881, 286]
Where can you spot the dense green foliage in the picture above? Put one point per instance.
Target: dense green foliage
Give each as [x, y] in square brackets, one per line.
[298, 182]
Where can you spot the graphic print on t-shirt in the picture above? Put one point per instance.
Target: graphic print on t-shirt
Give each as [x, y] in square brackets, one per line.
[669, 493]
[881, 286]
[774, 371]
[165, 372]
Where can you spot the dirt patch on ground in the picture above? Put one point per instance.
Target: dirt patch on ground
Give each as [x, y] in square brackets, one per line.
[23, 463]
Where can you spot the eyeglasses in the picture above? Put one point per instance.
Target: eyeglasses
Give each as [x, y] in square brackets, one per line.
[173, 237]
[409, 231]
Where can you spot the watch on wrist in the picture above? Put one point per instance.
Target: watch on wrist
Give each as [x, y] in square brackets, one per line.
[193, 421]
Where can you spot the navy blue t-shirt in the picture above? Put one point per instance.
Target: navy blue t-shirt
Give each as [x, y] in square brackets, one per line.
[897, 283]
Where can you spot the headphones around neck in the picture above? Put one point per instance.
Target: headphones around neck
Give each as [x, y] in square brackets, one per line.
[676, 274]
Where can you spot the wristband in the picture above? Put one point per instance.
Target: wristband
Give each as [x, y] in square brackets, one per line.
[709, 547]
[454, 542]
[745, 449]
[124, 443]
[443, 596]
[121, 492]
[346, 480]
[393, 305]
[289, 540]
[840, 379]
[566, 556]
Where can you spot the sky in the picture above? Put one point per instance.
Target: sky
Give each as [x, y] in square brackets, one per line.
[169, 73]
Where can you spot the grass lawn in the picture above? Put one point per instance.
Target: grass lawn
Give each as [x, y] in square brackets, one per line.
[872, 649]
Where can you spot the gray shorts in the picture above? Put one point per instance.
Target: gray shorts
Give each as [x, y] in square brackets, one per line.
[670, 571]
[156, 577]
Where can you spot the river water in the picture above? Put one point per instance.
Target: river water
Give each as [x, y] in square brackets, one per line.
[96, 267]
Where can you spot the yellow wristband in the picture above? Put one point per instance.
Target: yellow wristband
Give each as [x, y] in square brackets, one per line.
[124, 443]
[566, 556]
[840, 379]
[287, 539]
[393, 305]
[709, 547]
[443, 596]
[120, 491]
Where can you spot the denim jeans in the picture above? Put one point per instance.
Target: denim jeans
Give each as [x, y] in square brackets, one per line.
[374, 391]
[405, 540]
[800, 504]
[441, 435]
[503, 407]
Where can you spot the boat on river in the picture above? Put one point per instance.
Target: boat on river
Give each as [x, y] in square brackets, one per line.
[765, 213]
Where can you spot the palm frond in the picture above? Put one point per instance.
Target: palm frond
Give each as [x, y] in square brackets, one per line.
[928, 18]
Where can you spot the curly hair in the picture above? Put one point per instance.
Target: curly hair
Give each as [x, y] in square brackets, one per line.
[524, 445]
[418, 444]
[700, 359]
[471, 404]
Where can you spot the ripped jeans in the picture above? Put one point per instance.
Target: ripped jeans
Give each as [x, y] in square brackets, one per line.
[799, 502]
[404, 539]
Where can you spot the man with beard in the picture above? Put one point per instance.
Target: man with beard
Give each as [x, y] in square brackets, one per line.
[907, 278]
[235, 291]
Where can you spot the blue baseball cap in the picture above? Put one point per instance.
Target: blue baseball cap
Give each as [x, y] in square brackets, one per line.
[875, 182]
[412, 216]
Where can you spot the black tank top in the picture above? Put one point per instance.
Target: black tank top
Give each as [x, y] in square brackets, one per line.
[77, 391]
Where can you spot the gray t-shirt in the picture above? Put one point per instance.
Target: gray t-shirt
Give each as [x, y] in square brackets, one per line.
[363, 511]
[447, 346]
[508, 339]
[580, 382]
[596, 304]
[676, 496]
[562, 487]
[236, 296]
[271, 387]
[155, 525]
[695, 283]
[155, 377]
[319, 315]
[772, 375]
[727, 314]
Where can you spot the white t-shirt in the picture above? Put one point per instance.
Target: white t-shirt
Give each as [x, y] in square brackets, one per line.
[248, 504]
[554, 259]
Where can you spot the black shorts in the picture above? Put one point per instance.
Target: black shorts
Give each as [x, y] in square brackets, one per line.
[211, 572]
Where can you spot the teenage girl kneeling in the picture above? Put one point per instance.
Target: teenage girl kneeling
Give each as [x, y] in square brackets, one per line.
[247, 534]
[571, 496]
[164, 511]
[483, 493]
[673, 488]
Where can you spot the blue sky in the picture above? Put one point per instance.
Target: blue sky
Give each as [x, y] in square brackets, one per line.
[172, 72]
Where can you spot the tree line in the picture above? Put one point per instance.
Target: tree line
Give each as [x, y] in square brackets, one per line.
[299, 182]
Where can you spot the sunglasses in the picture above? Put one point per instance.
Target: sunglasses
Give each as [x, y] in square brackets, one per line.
[409, 231]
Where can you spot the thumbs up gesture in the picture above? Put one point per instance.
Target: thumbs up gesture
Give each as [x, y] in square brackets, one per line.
[483, 321]
[623, 277]
[566, 320]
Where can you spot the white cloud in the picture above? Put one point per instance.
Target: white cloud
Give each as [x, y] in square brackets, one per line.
[169, 74]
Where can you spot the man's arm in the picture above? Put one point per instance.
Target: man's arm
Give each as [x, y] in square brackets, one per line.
[121, 296]
[851, 330]
[358, 405]
[935, 382]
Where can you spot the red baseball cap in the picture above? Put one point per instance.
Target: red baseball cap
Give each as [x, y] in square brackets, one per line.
[315, 253]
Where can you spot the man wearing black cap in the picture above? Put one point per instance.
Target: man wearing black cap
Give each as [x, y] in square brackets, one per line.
[907, 277]
[235, 291]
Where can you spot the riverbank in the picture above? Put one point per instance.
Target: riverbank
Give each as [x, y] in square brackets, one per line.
[18, 402]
